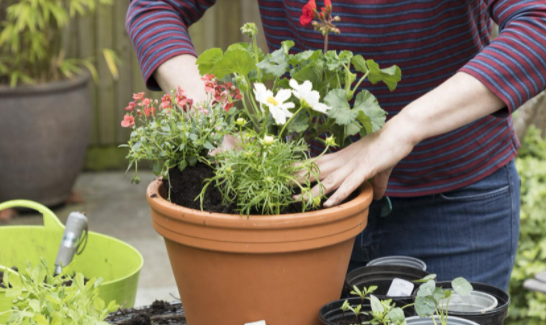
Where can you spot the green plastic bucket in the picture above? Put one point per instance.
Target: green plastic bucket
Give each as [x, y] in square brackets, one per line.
[116, 262]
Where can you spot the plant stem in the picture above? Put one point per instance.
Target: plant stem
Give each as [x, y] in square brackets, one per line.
[359, 82]
[257, 59]
[286, 124]
[326, 43]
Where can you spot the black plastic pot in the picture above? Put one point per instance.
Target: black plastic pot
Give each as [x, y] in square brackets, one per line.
[381, 276]
[451, 320]
[495, 316]
[331, 314]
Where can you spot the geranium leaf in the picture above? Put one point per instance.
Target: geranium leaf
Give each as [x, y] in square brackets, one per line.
[208, 59]
[286, 46]
[234, 61]
[425, 306]
[390, 76]
[367, 103]
[341, 110]
[462, 286]
[359, 63]
[300, 123]
[304, 56]
[427, 289]
[275, 64]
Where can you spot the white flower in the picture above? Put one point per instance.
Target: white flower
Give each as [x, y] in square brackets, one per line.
[307, 96]
[277, 106]
[268, 140]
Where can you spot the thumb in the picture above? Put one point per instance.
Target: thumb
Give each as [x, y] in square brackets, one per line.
[379, 183]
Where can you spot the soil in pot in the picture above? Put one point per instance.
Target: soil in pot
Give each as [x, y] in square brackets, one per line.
[186, 185]
[159, 313]
[495, 316]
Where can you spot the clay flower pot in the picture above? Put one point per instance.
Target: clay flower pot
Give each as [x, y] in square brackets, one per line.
[233, 270]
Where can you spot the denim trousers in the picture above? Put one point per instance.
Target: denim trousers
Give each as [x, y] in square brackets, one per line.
[470, 232]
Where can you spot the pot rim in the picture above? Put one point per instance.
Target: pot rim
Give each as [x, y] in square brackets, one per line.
[458, 319]
[236, 221]
[80, 80]
[500, 306]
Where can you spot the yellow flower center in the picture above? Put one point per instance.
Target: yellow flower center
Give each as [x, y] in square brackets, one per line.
[272, 101]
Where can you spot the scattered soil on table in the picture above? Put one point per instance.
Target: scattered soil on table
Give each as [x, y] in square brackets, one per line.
[159, 313]
[187, 185]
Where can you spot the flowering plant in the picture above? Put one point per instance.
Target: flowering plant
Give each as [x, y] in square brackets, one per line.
[309, 98]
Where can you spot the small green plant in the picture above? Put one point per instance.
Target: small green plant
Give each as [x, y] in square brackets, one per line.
[433, 300]
[32, 44]
[383, 312]
[44, 299]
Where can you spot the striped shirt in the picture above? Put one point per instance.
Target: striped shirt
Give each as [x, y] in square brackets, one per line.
[429, 39]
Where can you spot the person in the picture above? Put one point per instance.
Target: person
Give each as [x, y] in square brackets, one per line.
[445, 158]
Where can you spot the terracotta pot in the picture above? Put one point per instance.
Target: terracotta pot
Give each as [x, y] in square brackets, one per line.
[233, 270]
[44, 133]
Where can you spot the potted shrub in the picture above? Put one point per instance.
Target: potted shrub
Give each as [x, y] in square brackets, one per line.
[45, 116]
[236, 235]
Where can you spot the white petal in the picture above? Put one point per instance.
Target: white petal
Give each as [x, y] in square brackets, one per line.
[278, 115]
[294, 84]
[320, 107]
[283, 95]
[307, 86]
[287, 105]
[312, 98]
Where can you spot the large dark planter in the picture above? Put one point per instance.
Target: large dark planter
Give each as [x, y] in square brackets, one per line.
[44, 133]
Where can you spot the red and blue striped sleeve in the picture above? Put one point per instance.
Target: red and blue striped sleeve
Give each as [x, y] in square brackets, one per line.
[513, 66]
[159, 31]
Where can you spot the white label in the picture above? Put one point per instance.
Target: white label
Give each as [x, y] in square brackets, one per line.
[400, 288]
[261, 322]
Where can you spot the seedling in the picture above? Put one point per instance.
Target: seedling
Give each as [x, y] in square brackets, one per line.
[384, 312]
[363, 293]
[434, 300]
[344, 308]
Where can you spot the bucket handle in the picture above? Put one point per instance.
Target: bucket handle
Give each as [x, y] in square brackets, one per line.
[50, 219]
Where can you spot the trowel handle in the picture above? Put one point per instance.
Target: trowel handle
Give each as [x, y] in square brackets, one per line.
[73, 237]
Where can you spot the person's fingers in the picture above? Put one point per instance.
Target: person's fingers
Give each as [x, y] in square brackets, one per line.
[329, 184]
[350, 183]
[380, 182]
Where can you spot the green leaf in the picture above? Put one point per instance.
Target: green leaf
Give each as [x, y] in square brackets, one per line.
[304, 56]
[426, 289]
[208, 59]
[275, 64]
[40, 320]
[426, 279]
[192, 160]
[366, 124]
[16, 285]
[99, 304]
[341, 110]
[157, 167]
[438, 293]
[396, 315]
[286, 46]
[235, 61]
[353, 128]
[208, 145]
[332, 60]
[367, 103]
[359, 63]
[462, 286]
[249, 48]
[390, 76]
[300, 123]
[376, 304]
[425, 306]
[311, 72]
[182, 165]
[345, 57]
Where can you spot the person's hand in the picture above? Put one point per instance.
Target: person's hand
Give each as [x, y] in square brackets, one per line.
[371, 157]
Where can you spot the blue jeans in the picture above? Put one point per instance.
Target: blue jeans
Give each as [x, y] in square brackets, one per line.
[470, 232]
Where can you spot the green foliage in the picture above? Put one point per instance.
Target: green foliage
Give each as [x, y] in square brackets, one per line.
[176, 136]
[433, 300]
[260, 175]
[384, 312]
[530, 307]
[32, 46]
[330, 74]
[43, 299]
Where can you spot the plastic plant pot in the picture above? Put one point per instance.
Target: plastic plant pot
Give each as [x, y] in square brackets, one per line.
[495, 316]
[477, 302]
[116, 262]
[399, 260]
[428, 321]
[331, 314]
[382, 277]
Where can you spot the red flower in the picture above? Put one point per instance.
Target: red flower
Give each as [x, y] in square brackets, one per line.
[308, 12]
[166, 101]
[128, 121]
[138, 96]
[146, 102]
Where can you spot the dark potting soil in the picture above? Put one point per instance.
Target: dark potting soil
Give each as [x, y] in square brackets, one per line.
[159, 313]
[187, 185]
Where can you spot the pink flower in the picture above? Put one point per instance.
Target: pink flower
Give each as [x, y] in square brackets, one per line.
[166, 101]
[128, 121]
[130, 107]
[138, 96]
[145, 102]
